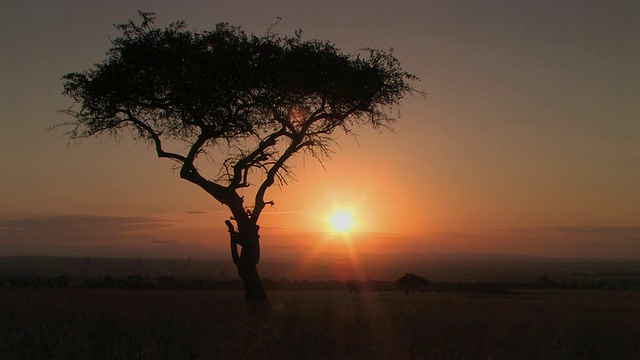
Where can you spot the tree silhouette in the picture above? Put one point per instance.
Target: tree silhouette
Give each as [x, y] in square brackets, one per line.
[412, 282]
[245, 103]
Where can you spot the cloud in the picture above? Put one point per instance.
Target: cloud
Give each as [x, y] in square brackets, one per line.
[576, 241]
[78, 222]
[165, 241]
[580, 230]
[77, 229]
[93, 235]
[279, 212]
[448, 234]
[598, 230]
[196, 212]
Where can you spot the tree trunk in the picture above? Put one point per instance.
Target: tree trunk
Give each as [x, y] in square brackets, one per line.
[257, 302]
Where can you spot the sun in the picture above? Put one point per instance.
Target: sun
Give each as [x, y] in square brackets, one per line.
[341, 221]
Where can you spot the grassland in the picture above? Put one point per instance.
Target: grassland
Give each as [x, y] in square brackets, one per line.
[191, 324]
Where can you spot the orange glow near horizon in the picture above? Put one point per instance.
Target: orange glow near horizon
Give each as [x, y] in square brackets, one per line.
[337, 255]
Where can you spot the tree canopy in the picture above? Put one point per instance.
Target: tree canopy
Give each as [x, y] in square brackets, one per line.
[256, 99]
[411, 282]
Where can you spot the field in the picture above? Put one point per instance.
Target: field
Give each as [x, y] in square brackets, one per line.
[191, 324]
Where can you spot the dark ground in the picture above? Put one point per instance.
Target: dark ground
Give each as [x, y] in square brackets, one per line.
[192, 324]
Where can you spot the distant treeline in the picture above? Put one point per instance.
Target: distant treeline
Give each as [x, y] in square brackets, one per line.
[168, 282]
[450, 268]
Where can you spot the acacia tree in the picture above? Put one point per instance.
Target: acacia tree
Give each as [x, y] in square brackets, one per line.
[244, 103]
[412, 282]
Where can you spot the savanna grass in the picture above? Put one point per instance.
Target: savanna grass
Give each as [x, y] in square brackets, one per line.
[188, 324]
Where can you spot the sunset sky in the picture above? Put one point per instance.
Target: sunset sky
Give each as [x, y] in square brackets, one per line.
[528, 141]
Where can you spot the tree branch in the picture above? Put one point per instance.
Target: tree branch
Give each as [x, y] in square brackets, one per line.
[188, 170]
[154, 136]
[271, 175]
[241, 168]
